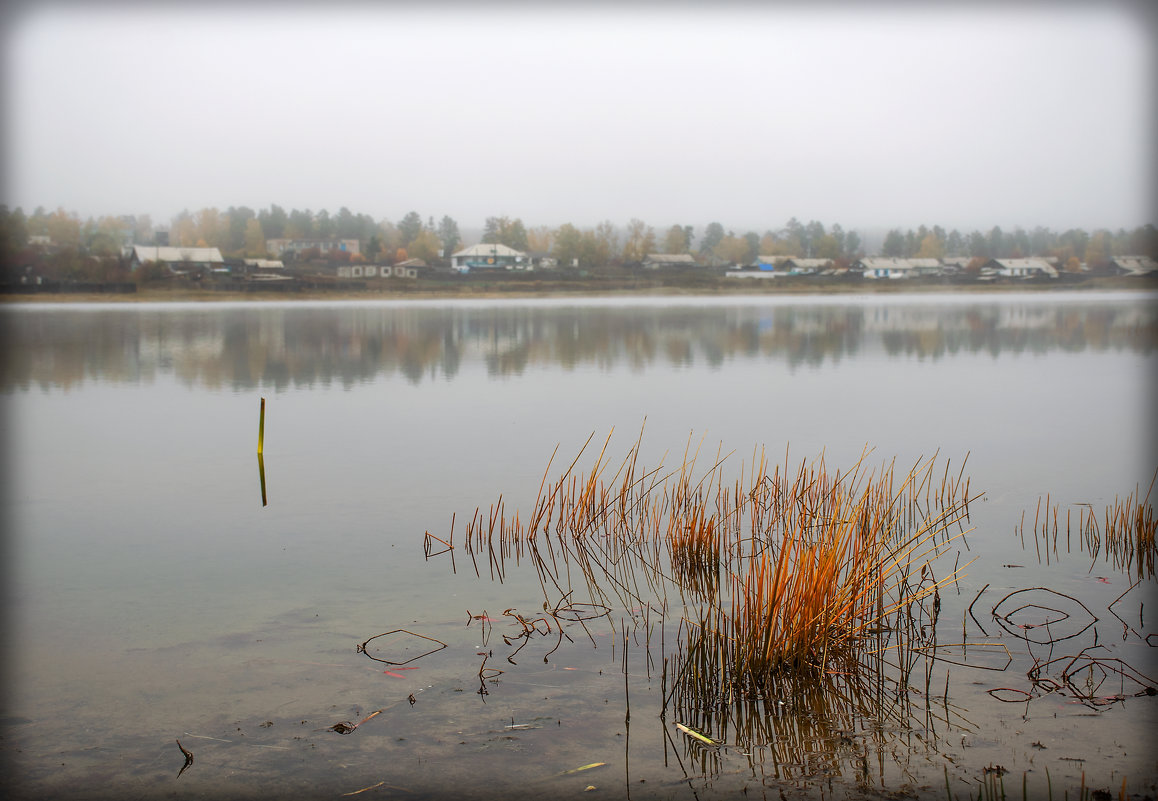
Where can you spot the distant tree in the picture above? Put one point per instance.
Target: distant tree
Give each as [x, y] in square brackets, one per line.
[1072, 265]
[1076, 239]
[211, 228]
[425, 246]
[409, 227]
[540, 238]
[689, 237]
[838, 235]
[1144, 241]
[1099, 250]
[996, 243]
[955, 243]
[978, 245]
[931, 248]
[639, 241]
[852, 246]
[605, 244]
[1041, 241]
[324, 225]
[400, 255]
[752, 239]
[300, 225]
[13, 230]
[254, 239]
[911, 244]
[373, 248]
[568, 244]
[106, 236]
[492, 230]
[712, 237]
[38, 222]
[183, 230]
[236, 220]
[732, 249]
[813, 232]
[448, 236]
[825, 247]
[390, 237]
[516, 236]
[894, 244]
[675, 240]
[346, 225]
[505, 231]
[273, 221]
[143, 229]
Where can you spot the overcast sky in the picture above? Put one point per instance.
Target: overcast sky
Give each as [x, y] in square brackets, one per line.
[886, 116]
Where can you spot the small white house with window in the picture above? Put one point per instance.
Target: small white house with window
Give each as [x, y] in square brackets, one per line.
[886, 267]
[490, 257]
[1020, 268]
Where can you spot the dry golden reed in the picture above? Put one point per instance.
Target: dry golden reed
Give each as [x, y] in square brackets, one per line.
[779, 568]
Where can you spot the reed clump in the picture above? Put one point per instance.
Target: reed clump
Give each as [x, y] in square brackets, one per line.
[1125, 532]
[780, 568]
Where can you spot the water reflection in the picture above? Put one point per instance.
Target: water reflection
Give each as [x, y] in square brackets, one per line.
[242, 347]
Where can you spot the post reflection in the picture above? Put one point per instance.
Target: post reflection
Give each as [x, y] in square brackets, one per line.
[261, 476]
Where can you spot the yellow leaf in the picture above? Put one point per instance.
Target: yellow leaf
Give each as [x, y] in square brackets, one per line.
[693, 733]
[585, 767]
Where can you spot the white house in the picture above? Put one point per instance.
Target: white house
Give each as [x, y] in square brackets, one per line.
[179, 260]
[1134, 265]
[1021, 268]
[654, 261]
[490, 257]
[886, 267]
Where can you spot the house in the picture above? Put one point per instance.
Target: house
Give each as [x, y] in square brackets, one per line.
[489, 257]
[1020, 268]
[885, 267]
[360, 271]
[543, 259]
[770, 263]
[254, 265]
[653, 261]
[753, 274]
[799, 266]
[280, 247]
[179, 260]
[926, 266]
[955, 264]
[1135, 266]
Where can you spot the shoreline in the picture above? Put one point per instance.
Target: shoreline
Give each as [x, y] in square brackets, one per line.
[545, 290]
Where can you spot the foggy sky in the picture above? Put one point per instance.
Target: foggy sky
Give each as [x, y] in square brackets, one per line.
[886, 116]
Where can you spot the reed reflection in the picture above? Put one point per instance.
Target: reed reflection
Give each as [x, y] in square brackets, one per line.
[282, 346]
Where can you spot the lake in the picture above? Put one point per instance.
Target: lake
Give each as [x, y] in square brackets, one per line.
[162, 586]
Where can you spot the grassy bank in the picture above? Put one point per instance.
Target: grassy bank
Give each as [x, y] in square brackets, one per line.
[546, 287]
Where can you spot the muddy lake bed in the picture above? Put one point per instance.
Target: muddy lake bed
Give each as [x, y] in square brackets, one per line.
[152, 596]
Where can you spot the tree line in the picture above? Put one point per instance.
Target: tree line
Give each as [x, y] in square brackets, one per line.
[85, 247]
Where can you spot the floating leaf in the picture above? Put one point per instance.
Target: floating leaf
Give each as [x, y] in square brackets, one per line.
[693, 733]
[585, 767]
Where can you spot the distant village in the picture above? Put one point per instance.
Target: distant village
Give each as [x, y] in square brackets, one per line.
[107, 256]
[308, 267]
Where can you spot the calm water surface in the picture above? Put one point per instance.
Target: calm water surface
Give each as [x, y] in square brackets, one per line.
[151, 596]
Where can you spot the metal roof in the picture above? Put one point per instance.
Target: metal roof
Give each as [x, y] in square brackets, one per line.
[1136, 264]
[488, 250]
[176, 255]
[670, 258]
